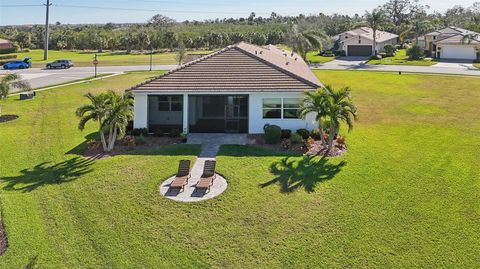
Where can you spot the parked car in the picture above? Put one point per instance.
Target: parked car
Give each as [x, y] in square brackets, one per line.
[60, 64]
[17, 64]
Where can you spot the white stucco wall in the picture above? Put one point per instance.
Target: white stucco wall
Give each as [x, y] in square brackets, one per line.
[255, 112]
[140, 119]
[257, 122]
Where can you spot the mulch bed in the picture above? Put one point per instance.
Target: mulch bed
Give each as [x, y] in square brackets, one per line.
[259, 141]
[316, 149]
[3, 239]
[121, 149]
[7, 118]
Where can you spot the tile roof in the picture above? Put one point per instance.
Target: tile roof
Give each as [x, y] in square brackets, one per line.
[4, 41]
[367, 33]
[241, 67]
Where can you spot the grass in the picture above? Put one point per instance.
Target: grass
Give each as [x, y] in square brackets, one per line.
[87, 79]
[401, 58]
[405, 195]
[314, 58]
[81, 58]
[477, 65]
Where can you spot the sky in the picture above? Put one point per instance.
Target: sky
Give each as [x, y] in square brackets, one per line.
[15, 12]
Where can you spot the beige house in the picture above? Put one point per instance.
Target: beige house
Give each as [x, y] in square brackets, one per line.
[359, 42]
[450, 43]
[5, 44]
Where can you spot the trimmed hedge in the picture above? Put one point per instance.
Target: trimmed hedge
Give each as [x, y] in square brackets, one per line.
[273, 134]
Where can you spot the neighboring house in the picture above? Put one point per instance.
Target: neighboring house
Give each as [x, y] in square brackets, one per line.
[5, 44]
[238, 89]
[450, 43]
[359, 42]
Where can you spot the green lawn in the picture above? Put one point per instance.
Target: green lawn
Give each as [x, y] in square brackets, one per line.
[405, 195]
[81, 58]
[477, 65]
[401, 58]
[313, 57]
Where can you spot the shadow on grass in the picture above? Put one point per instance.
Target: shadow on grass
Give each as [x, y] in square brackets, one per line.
[295, 173]
[48, 174]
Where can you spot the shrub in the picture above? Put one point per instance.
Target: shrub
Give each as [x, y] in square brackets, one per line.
[383, 54]
[316, 134]
[129, 141]
[376, 57]
[389, 50]
[340, 53]
[304, 133]
[286, 134]
[92, 144]
[139, 132]
[273, 134]
[6, 51]
[296, 138]
[340, 140]
[174, 133]
[397, 47]
[140, 140]
[415, 53]
[286, 144]
[8, 57]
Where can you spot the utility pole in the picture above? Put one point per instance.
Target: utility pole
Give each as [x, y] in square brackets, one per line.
[151, 57]
[45, 46]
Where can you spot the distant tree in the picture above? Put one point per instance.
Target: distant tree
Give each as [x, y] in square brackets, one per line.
[160, 21]
[415, 53]
[9, 82]
[181, 52]
[375, 20]
[303, 41]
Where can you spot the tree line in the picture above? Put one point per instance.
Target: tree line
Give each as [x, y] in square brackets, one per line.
[407, 18]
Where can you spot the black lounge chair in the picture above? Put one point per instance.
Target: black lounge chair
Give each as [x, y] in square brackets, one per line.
[208, 176]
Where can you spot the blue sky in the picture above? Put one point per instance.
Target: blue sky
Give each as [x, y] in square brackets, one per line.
[183, 9]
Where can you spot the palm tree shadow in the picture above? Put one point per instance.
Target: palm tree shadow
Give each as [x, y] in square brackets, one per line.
[48, 174]
[294, 173]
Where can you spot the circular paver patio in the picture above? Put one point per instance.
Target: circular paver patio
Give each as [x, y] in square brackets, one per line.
[189, 194]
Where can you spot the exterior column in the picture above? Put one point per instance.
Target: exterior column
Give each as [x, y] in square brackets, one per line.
[185, 113]
[140, 119]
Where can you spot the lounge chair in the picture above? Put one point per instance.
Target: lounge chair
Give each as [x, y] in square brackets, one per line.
[208, 176]
[183, 175]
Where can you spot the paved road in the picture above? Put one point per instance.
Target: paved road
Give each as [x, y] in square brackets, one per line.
[43, 77]
[454, 68]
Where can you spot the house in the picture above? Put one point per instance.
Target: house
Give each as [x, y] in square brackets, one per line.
[238, 89]
[450, 43]
[359, 42]
[5, 44]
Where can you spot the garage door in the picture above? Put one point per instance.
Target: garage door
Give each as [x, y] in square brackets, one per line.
[458, 52]
[362, 50]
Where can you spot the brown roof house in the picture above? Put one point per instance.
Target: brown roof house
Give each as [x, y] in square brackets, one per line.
[359, 42]
[5, 44]
[238, 89]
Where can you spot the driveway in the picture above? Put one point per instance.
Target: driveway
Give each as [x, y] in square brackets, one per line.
[444, 67]
[39, 77]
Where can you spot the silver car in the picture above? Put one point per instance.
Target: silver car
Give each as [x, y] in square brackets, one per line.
[60, 64]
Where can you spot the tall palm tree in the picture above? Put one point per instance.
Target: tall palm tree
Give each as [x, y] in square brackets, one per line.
[304, 41]
[9, 82]
[316, 102]
[340, 108]
[112, 111]
[375, 19]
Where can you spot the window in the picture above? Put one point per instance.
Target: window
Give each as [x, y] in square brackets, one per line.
[272, 108]
[434, 37]
[281, 108]
[359, 41]
[170, 103]
[291, 106]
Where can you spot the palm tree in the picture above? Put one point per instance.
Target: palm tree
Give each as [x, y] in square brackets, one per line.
[119, 114]
[339, 107]
[376, 20]
[304, 41]
[316, 102]
[112, 111]
[9, 82]
[96, 111]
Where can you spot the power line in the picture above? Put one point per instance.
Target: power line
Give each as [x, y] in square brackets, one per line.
[151, 10]
[21, 5]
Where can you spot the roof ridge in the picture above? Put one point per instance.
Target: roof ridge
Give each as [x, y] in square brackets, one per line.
[279, 68]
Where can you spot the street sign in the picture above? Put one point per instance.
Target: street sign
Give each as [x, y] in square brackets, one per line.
[95, 62]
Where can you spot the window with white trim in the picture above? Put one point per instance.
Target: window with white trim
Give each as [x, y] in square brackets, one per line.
[170, 103]
[281, 108]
